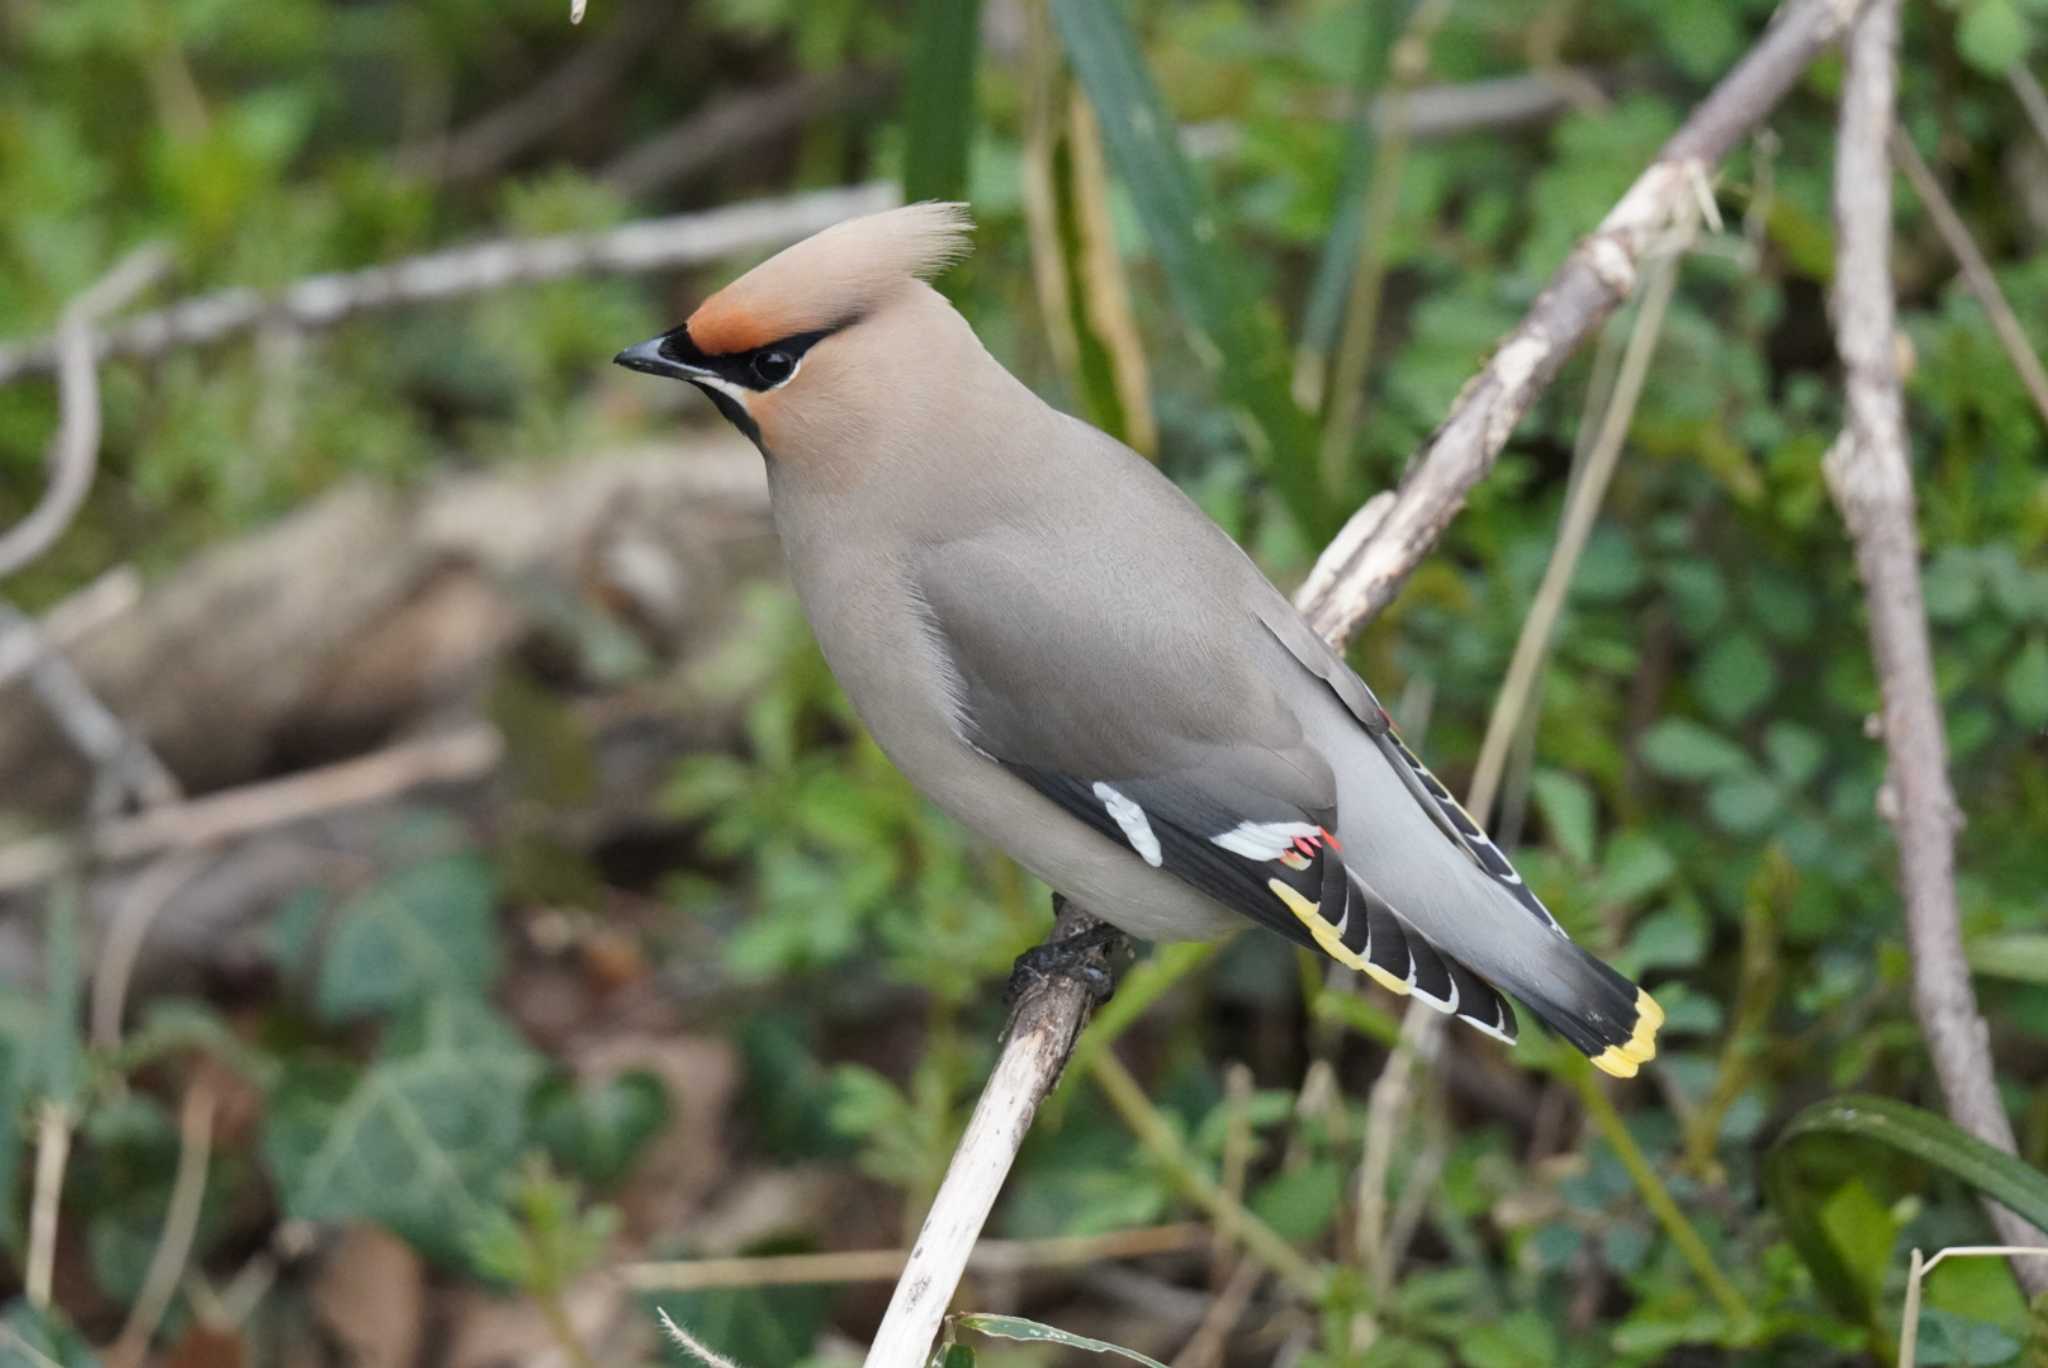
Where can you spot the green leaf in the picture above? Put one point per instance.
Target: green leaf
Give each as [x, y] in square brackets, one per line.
[938, 98]
[1744, 804]
[1949, 1339]
[1795, 752]
[1301, 1202]
[597, 1129]
[1567, 806]
[1864, 1229]
[1017, 1328]
[1636, 865]
[418, 1142]
[1906, 1130]
[1992, 35]
[1735, 678]
[1678, 748]
[2026, 684]
[1673, 938]
[753, 1326]
[423, 932]
[48, 1333]
[1232, 332]
[953, 1356]
[2023, 955]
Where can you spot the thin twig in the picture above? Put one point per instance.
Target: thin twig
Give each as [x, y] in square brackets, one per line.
[122, 945]
[75, 449]
[690, 1344]
[1868, 474]
[1598, 274]
[1589, 493]
[882, 1265]
[1205, 1347]
[1916, 1273]
[1346, 383]
[70, 621]
[1143, 1120]
[483, 147]
[460, 756]
[736, 123]
[124, 765]
[181, 1223]
[1658, 1198]
[1977, 273]
[323, 301]
[2032, 98]
[53, 1147]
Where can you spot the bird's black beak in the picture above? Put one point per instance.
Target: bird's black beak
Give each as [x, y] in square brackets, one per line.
[648, 357]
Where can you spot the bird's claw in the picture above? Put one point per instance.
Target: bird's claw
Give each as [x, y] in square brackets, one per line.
[1071, 958]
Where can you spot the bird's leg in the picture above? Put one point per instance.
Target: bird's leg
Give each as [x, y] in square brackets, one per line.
[1071, 957]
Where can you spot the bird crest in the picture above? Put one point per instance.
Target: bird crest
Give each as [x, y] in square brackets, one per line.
[832, 278]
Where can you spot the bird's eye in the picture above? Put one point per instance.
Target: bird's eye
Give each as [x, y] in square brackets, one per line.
[774, 366]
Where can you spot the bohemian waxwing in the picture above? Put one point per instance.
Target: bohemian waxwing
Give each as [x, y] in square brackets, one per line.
[1064, 653]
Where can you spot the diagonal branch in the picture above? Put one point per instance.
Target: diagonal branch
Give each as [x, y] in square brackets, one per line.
[1868, 474]
[1593, 281]
[1976, 270]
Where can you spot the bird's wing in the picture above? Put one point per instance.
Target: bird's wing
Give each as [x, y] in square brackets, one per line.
[1321, 660]
[1162, 732]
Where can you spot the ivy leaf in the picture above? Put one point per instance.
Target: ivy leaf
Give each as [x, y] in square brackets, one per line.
[423, 932]
[418, 1142]
[597, 1130]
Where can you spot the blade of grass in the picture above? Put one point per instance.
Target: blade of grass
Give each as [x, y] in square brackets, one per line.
[1331, 284]
[1383, 197]
[1082, 288]
[938, 99]
[1907, 1130]
[1232, 332]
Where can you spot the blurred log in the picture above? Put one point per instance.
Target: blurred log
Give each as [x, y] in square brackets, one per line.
[371, 610]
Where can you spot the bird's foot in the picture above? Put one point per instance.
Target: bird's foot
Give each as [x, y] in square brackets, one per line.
[1070, 958]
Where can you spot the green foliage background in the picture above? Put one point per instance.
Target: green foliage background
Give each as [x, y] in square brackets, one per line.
[1698, 797]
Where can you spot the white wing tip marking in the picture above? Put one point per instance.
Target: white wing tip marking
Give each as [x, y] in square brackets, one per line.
[1137, 827]
[1263, 840]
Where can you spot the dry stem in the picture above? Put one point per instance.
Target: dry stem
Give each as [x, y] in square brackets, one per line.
[1868, 474]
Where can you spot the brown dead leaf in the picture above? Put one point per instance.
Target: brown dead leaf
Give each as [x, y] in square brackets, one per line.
[370, 1298]
[203, 1346]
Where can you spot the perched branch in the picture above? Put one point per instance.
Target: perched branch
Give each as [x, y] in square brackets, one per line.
[1593, 281]
[325, 300]
[1044, 1024]
[1868, 475]
[1976, 270]
[1355, 577]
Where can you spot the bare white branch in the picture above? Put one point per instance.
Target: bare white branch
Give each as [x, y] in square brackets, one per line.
[1868, 474]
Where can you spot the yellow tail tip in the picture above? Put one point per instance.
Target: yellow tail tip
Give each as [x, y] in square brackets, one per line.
[1613, 1061]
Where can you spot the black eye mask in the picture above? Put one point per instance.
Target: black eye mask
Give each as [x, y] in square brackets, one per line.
[762, 369]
